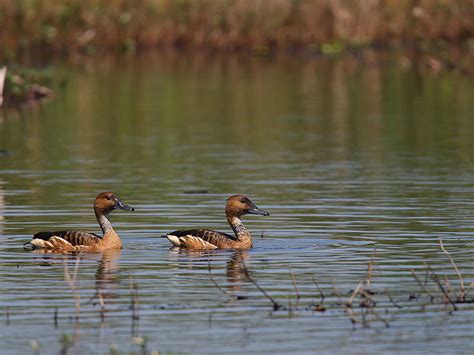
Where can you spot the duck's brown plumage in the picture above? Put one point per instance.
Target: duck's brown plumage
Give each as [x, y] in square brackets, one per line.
[73, 237]
[67, 241]
[236, 206]
[204, 239]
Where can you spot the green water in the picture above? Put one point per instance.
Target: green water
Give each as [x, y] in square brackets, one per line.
[348, 155]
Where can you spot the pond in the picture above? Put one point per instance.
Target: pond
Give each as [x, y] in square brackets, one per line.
[361, 162]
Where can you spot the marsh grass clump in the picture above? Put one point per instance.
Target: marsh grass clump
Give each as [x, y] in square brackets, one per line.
[25, 85]
[365, 306]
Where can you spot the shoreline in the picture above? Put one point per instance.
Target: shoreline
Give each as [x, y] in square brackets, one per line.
[422, 55]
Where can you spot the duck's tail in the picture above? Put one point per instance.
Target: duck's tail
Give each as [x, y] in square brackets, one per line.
[173, 239]
[53, 243]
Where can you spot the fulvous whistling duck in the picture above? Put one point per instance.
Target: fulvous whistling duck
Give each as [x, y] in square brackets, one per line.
[67, 241]
[236, 207]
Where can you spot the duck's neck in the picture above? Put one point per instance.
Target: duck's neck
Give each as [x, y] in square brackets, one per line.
[104, 222]
[110, 239]
[239, 229]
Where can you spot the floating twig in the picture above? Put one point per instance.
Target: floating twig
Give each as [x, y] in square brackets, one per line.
[370, 264]
[321, 293]
[225, 292]
[427, 276]
[347, 306]
[367, 303]
[377, 315]
[448, 299]
[276, 305]
[462, 295]
[298, 296]
[367, 300]
[369, 273]
[356, 291]
[336, 292]
[448, 284]
[422, 285]
[349, 311]
[319, 306]
[392, 300]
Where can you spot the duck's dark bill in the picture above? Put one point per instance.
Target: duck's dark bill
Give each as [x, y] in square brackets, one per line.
[258, 211]
[123, 206]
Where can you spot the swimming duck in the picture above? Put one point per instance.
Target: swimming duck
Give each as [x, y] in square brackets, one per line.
[67, 241]
[236, 207]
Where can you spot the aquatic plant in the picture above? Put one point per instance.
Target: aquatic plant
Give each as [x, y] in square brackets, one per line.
[23, 85]
[364, 303]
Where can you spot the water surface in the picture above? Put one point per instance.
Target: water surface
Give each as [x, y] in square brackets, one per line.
[356, 159]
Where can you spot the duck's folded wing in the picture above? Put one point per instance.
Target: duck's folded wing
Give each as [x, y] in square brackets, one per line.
[200, 238]
[73, 237]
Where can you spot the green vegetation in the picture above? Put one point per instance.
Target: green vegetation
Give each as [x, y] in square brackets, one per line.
[328, 26]
[22, 85]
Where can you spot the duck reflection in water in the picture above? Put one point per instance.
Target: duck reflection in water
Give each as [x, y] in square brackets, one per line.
[195, 259]
[235, 270]
[106, 275]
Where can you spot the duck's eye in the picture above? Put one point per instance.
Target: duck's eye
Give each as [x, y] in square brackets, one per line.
[109, 197]
[243, 201]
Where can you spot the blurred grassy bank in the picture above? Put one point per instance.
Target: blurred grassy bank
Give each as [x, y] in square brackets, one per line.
[326, 26]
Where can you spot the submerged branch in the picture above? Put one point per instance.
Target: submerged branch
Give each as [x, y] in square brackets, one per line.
[422, 285]
[321, 293]
[298, 296]
[392, 300]
[276, 305]
[435, 278]
[225, 292]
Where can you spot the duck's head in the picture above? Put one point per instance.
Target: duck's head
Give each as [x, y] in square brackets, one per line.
[106, 202]
[238, 205]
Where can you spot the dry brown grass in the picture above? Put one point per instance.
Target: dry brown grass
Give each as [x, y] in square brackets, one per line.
[257, 25]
